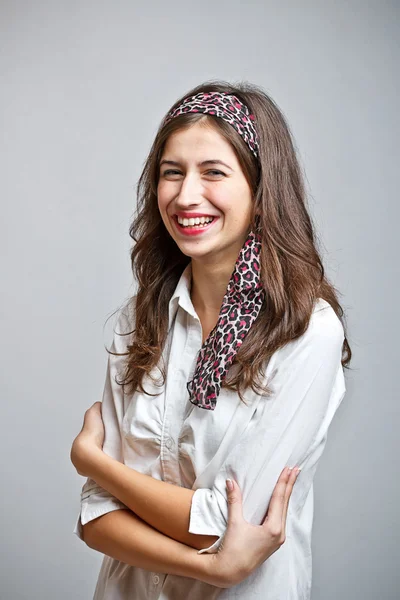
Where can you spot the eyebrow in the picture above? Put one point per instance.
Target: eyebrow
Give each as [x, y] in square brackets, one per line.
[201, 164]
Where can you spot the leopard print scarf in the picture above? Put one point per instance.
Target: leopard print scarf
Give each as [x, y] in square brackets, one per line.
[240, 307]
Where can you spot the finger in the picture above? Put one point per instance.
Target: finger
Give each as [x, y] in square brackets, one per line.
[235, 508]
[289, 488]
[273, 520]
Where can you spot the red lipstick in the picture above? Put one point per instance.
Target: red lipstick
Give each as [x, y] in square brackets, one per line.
[193, 230]
[191, 215]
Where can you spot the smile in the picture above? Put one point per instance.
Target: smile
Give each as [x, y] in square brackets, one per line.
[195, 225]
[194, 221]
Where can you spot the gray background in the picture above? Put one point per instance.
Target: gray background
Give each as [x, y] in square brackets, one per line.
[84, 86]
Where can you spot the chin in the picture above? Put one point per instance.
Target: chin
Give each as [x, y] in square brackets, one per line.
[197, 253]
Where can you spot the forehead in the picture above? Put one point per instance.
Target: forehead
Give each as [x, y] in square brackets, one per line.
[197, 140]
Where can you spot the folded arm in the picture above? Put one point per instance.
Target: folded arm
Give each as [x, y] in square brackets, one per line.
[125, 537]
[164, 506]
[291, 431]
[294, 424]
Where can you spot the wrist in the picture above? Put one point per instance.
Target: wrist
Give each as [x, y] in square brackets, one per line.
[227, 570]
[86, 456]
[212, 570]
[94, 457]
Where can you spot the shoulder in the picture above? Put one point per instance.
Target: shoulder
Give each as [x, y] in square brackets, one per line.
[324, 323]
[323, 337]
[124, 324]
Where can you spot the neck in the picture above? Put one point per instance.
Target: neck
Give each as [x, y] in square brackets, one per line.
[209, 283]
[210, 280]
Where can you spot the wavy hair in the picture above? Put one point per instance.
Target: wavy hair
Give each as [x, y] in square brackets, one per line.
[292, 272]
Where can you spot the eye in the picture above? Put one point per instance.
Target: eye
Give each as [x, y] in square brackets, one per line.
[170, 172]
[213, 172]
[217, 172]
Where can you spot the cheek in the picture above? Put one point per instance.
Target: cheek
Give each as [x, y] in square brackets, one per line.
[222, 201]
[233, 208]
[240, 214]
[232, 200]
[162, 203]
[164, 195]
[164, 216]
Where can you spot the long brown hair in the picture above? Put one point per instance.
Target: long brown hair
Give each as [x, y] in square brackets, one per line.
[291, 267]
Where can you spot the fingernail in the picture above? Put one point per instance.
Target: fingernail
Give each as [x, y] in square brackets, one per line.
[298, 471]
[229, 484]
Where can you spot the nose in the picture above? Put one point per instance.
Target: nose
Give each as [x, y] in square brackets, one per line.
[190, 192]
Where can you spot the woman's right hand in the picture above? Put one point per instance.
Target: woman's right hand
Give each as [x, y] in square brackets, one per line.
[245, 546]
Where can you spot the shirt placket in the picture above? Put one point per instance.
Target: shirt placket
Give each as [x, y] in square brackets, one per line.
[185, 345]
[183, 352]
[154, 588]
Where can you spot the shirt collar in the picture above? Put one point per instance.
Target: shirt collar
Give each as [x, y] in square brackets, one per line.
[181, 296]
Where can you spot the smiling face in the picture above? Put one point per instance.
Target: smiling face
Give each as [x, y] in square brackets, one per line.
[200, 179]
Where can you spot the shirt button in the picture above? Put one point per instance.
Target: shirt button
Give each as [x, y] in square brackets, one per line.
[169, 443]
[156, 579]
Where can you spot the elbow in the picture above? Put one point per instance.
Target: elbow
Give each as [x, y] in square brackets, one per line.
[87, 535]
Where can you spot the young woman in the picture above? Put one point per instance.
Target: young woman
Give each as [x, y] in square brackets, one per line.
[228, 363]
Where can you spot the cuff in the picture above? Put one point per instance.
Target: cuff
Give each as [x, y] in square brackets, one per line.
[95, 502]
[204, 521]
[213, 548]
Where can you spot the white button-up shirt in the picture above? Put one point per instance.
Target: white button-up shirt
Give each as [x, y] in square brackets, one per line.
[170, 439]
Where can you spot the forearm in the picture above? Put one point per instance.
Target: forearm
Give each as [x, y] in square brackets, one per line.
[127, 538]
[164, 506]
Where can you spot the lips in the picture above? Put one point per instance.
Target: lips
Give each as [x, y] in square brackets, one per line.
[191, 215]
[194, 230]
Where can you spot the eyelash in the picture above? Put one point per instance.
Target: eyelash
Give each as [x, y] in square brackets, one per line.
[169, 171]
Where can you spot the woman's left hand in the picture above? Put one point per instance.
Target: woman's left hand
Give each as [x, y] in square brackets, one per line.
[89, 440]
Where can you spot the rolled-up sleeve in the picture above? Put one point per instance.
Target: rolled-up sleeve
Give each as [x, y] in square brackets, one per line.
[307, 384]
[96, 501]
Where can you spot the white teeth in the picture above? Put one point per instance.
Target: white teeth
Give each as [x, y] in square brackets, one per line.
[194, 221]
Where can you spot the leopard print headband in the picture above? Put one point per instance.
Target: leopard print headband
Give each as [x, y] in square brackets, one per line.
[226, 106]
